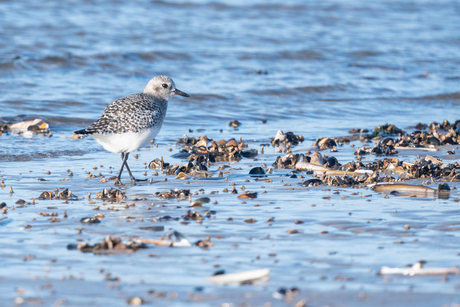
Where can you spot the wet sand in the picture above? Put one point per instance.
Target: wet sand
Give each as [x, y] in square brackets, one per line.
[325, 243]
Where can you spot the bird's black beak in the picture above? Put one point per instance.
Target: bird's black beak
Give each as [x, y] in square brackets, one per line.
[178, 92]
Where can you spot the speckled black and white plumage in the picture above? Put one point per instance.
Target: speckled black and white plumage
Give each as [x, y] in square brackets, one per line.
[133, 113]
[131, 122]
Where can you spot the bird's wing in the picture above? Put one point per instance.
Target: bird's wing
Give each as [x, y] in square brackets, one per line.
[132, 113]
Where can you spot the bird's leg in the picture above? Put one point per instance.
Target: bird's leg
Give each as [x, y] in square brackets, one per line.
[133, 180]
[124, 157]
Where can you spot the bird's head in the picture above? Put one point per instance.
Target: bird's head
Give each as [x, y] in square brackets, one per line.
[163, 87]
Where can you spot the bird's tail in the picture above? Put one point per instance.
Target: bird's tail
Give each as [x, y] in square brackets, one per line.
[83, 132]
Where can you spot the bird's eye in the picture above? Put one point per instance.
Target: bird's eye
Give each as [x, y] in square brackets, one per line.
[164, 85]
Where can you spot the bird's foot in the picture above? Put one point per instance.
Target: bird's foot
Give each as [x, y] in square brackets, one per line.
[134, 181]
[117, 182]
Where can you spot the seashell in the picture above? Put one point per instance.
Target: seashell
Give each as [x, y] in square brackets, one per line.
[248, 195]
[46, 195]
[433, 141]
[312, 182]
[90, 220]
[241, 277]
[234, 124]
[110, 193]
[25, 125]
[317, 159]
[205, 243]
[203, 142]
[182, 176]
[250, 153]
[200, 201]
[257, 171]
[280, 137]
[232, 142]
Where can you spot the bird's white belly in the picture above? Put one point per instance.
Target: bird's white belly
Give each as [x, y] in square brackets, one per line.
[126, 142]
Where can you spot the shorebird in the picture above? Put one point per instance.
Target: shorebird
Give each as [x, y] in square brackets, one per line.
[131, 122]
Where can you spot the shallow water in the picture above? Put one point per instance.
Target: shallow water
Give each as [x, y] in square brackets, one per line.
[315, 69]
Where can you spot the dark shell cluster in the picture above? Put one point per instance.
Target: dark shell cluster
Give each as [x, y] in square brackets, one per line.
[286, 138]
[388, 169]
[220, 150]
[110, 194]
[109, 244]
[179, 194]
[65, 194]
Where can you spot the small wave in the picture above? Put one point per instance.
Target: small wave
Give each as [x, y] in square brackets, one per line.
[73, 61]
[441, 97]
[325, 88]
[43, 63]
[305, 89]
[202, 97]
[364, 54]
[301, 55]
[145, 56]
[39, 155]
[381, 67]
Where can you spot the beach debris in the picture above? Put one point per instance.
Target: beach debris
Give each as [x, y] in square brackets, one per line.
[357, 130]
[418, 190]
[317, 158]
[234, 124]
[200, 201]
[33, 126]
[77, 136]
[90, 220]
[180, 194]
[316, 162]
[194, 215]
[110, 245]
[325, 143]
[180, 240]
[110, 194]
[257, 172]
[220, 150]
[182, 176]
[286, 139]
[312, 183]
[341, 173]
[153, 228]
[288, 161]
[307, 166]
[386, 149]
[197, 167]
[135, 301]
[248, 194]
[246, 277]
[205, 243]
[64, 194]
[418, 269]
[287, 294]
[387, 129]
[158, 164]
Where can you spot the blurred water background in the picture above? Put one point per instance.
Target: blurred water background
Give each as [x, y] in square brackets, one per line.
[319, 66]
